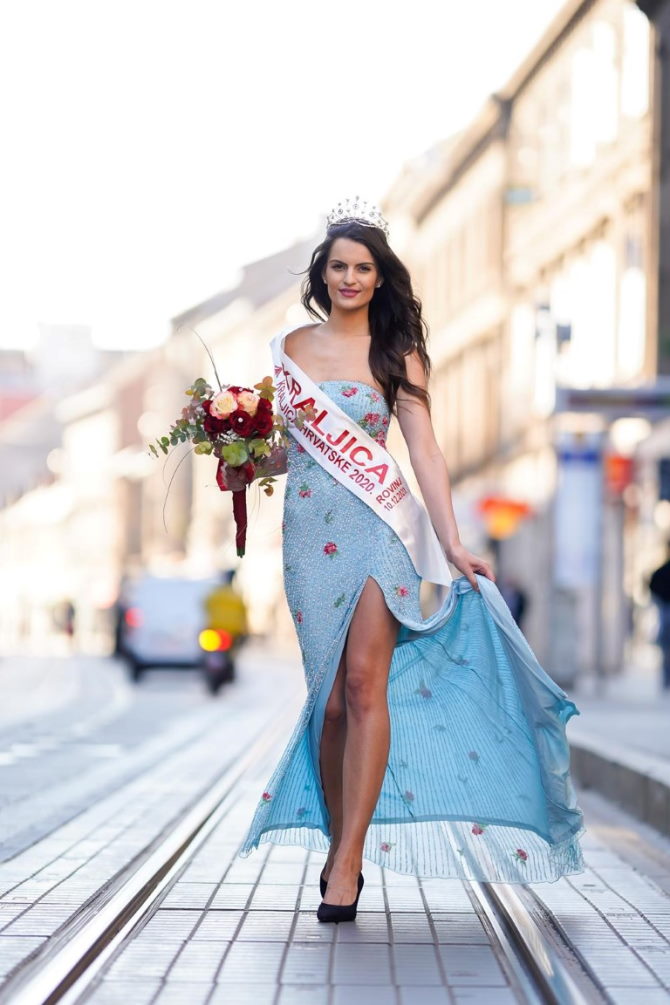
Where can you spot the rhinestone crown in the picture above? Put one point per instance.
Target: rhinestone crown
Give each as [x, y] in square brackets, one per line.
[359, 211]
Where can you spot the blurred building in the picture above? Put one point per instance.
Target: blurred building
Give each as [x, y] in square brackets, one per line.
[237, 326]
[530, 236]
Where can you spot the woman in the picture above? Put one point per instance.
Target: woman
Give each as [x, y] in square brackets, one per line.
[434, 746]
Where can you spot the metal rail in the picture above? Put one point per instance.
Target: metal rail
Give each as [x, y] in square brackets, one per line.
[541, 974]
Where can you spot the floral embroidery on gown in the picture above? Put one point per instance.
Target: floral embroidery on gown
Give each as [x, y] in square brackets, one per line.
[477, 784]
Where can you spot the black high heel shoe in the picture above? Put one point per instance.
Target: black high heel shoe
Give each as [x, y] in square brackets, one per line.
[323, 883]
[340, 912]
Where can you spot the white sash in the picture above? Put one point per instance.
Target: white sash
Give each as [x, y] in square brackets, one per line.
[350, 455]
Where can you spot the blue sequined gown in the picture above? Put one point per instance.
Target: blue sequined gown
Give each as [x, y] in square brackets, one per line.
[477, 784]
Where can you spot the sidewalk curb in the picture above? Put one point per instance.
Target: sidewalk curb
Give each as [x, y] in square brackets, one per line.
[636, 781]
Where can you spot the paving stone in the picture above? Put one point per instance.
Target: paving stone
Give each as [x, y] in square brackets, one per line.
[365, 994]
[217, 926]
[306, 964]
[197, 962]
[447, 896]
[111, 992]
[303, 994]
[231, 896]
[460, 929]
[473, 965]
[286, 853]
[371, 927]
[243, 993]
[484, 996]
[274, 898]
[142, 960]
[657, 959]
[309, 929]
[422, 995]
[176, 994]
[8, 912]
[624, 996]
[252, 962]
[189, 895]
[620, 968]
[310, 898]
[266, 926]
[283, 873]
[14, 949]
[171, 923]
[404, 898]
[362, 964]
[416, 965]
[411, 928]
[39, 920]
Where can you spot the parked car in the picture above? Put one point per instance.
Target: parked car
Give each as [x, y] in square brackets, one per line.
[161, 621]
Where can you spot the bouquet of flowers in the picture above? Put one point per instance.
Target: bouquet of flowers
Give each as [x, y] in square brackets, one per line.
[238, 426]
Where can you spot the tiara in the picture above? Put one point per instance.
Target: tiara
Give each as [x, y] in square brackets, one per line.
[358, 211]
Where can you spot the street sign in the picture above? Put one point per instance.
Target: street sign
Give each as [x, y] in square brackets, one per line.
[649, 401]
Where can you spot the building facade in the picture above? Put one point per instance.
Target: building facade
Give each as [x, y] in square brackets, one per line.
[533, 250]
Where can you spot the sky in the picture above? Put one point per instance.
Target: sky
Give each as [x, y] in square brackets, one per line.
[153, 148]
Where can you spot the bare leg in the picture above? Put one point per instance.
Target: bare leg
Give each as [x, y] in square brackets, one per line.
[370, 643]
[331, 757]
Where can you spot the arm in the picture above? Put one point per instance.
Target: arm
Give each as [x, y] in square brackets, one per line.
[432, 475]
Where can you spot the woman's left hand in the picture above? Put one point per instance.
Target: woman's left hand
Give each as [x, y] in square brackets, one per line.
[469, 564]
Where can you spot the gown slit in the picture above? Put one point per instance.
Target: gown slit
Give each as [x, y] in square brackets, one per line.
[477, 783]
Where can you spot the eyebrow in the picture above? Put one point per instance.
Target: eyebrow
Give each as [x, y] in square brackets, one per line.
[338, 261]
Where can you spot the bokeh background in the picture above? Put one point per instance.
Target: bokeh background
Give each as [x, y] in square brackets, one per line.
[167, 171]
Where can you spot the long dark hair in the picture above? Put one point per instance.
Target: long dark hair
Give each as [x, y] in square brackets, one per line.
[396, 325]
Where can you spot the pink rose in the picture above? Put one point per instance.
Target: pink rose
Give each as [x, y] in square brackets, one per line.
[266, 797]
[402, 591]
[330, 548]
[373, 418]
[248, 401]
[298, 617]
[350, 392]
[385, 846]
[223, 404]
[521, 854]
[477, 829]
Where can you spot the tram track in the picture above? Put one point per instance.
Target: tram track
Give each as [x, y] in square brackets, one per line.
[69, 963]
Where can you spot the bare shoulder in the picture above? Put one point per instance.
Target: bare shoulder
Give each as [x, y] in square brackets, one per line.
[297, 339]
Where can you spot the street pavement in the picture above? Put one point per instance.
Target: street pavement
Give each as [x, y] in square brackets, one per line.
[244, 930]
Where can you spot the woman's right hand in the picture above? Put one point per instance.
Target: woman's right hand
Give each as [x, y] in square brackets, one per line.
[266, 467]
[274, 464]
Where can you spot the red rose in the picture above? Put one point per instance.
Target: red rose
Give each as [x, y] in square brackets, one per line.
[212, 425]
[241, 422]
[263, 423]
[264, 406]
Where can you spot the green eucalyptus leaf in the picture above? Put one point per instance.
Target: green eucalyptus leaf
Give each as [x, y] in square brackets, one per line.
[259, 448]
[235, 454]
